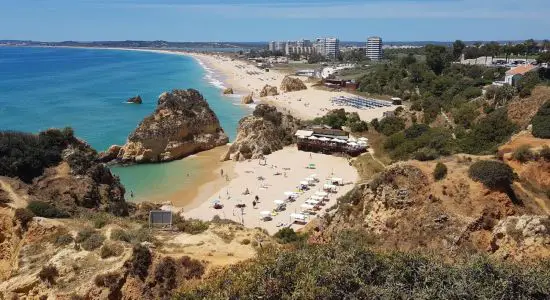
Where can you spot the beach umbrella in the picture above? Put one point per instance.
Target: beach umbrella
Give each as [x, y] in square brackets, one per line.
[324, 139]
[312, 166]
[312, 202]
[265, 213]
[307, 206]
[316, 197]
[288, 194]
[352, 144]
[279, 202]
[310, 179]
[215, 201]
[304, 182]
[313, 175]
[322, 194]
[313, 138]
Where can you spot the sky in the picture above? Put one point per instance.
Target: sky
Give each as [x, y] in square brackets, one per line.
[265, 20]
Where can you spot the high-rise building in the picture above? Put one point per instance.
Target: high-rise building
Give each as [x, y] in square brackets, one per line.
[272, 46]
[329, 47]
[374, 48]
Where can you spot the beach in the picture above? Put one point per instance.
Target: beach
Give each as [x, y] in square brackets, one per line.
[281, 172]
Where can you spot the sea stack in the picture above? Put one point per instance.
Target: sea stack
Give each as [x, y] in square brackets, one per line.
[135, 100]
[182, 124]
[228, 91]
[290, 84]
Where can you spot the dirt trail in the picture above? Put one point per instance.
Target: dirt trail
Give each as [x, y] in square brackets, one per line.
[371, 152]
[17, 201]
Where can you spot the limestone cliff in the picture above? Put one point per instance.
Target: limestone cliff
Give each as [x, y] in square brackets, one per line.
[265, 131]
[182, 124]
[248, 99]
[268, 90]
[290, 84]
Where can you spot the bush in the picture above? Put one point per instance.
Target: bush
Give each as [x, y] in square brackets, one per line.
[492, 173]
[84, 234]
[541, 122]
[46, 210]
[48, 273]
[93, 242]
[426, 154]
[488, 133]
[287, 235]
[111, 250]
[133, 236]
[140, 262]
[416, 130]
[64, 239]
[100, 220]
[24, 216]
[545, 152]
[391, 125]
[245, 242]
[108, 280]
[523, 154]
[121, 235]
[192, 226]
[440, 171]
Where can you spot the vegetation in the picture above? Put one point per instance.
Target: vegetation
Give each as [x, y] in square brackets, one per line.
[545, 153]
[488, 133]
[46, 210]
[140, 261]
[541, 122]
[339, 117]
[287, 235]
[64, 239]
[191, 226]
[523, 154]
[133, 236]
[492, 173]
[421, 142]
[440, 171]
[48, 273]
[84, 234]
[346, 269]
[24, 216]
[26, 155]
[93, 242]
[111, 250]
[390, 125]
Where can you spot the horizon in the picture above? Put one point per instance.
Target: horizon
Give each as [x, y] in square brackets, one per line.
[259, 20]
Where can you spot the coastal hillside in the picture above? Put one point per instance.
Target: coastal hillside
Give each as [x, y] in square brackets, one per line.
[265, 131]
[182, 124]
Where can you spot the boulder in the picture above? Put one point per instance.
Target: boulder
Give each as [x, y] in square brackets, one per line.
[135, 100]
[290, 84]
[182, 124]
[262, 133]
[247, 99]
[268, 90]
[110, 154]
[228, 91]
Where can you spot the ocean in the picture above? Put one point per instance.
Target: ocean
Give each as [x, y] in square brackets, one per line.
[86, 89]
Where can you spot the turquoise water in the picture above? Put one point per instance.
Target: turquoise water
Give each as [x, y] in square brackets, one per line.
[86, 89]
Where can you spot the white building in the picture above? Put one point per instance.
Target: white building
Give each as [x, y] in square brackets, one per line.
[329, 47]
[374, 48]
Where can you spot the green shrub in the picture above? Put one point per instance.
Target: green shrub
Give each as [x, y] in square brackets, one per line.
[545, 152]
[192, 226]
[416, 130]
[492, 173]
[245, 242]
[48, 273]
[111, 250]
[93, 242]
[84, 234]
[121, 235]
[391, 125]
[488, 133]
[440, 171]
[46, 210]
[100, 220]
[523, 154]
[287, 235]
[24, 216]
[426, 154]
[64, 239]
[541, 122]
[140, 261]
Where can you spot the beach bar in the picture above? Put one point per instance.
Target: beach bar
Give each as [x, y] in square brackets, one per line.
[328, 141]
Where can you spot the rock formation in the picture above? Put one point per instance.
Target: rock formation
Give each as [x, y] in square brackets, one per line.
[265, 131]
[182, 124]
[290, 84]
[268, 90]
[248, 99]
[135, 100]
[228, 91]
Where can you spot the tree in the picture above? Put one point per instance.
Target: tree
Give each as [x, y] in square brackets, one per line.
[391, 125]
[437, 58]
[458, 47]
[440, 171]
[315, 58]
[544, 57]
[541, 122]
[492, 173]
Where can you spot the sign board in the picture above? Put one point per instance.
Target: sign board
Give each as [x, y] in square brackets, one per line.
[160, 218]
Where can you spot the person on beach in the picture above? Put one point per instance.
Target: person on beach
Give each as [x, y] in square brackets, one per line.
[256, 198]
[221, 172]
[254, 204]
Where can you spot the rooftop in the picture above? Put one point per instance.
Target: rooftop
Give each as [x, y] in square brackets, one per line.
[521, 69]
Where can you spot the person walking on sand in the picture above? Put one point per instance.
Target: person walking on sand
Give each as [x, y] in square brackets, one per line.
[221, 172]
[254, 204]
[256, 198]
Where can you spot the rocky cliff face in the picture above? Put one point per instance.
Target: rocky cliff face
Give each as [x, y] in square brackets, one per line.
[248, 99]
[266, 131]
[182, 124]
[268, 90]
[290, 84]
[135, 100]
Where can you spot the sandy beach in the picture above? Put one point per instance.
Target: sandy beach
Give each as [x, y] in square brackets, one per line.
[282, 172]
[245, 78]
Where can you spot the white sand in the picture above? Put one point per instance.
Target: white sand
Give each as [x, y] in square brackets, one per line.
[247, 174]
[245, 77]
